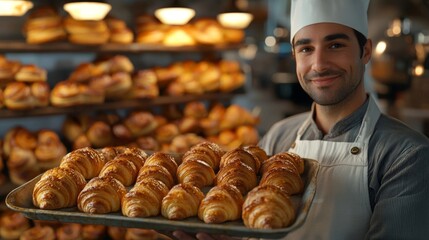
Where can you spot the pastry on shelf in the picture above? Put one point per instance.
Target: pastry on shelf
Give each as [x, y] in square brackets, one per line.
[145, 85]
[20, 137]
[100, 134]
[50, 150]
[240, 155]
[81, 141]
[141, 233]
[268, 207]
[86, 161]
[69, 231]
[144, 199]
[82, 73]
[86, 32]
[163, 159]
[31, 73]
[20, 95]
[68, 93]
[156, 172]
[58, 188]
[44, 25]
[182, 201]
[232, 35]
[207, 31]
[12, 225]
[183, 142]
[231, 81]
[221, 204]
[195, 109]
[22, 165]
[38, 232]
[114, 86]
[75, 125]
[248, 135]
[8, 69]
[119, 31]
[120, 63]
[121, 169]
[140, 123]
[179, 36]
[101, 195]
[93, 231]
[146, 143]
[195, 172]
[166, 133]
[116, 233]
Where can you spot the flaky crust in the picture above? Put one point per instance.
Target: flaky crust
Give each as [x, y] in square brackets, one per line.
[195, 172]
[157, 172]
[268, 207]
[87, 161]
[58, 188]
[182, 201]
[208, 152]
[163, 159]
[242, 156]
[121, 169]
[144, 199]
[238, 174]
[101, 195]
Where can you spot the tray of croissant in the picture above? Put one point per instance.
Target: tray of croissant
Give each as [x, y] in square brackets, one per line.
[241, 192]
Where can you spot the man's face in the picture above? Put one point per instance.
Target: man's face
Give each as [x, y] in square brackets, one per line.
[329, 65]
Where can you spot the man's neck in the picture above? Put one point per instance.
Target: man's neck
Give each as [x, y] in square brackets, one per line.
[327, 116]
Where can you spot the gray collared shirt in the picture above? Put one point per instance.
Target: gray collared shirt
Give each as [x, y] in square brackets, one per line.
[398, 169]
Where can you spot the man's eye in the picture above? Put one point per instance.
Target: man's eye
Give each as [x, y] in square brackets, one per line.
[336, 45]
[305, 49]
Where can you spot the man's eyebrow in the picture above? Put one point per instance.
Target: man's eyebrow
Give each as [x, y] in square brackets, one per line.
[327, 38]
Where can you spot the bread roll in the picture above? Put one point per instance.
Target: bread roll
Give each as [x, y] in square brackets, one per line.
[116, 233]
[268, 207]
[17, 95]
[207, 31]
[182, 201]
[101, 195]
[177, 36]
[31, 73]
[145, 85]
[82, 73]
[58, 188]
[93, 231]
[22, 165]
[100, 134]
[140, 123]
[38, 232]
[69, 231]
[50, 150]
[44, 25]
[12, 225]
[166, 133]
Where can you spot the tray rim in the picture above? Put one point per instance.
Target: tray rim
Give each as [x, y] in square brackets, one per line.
[193, 224]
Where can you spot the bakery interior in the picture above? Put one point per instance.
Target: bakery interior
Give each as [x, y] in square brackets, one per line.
[176, 76]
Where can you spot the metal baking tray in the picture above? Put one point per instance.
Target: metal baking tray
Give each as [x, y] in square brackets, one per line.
[20, 200]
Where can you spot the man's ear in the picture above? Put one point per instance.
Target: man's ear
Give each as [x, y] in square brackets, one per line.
[367, 51]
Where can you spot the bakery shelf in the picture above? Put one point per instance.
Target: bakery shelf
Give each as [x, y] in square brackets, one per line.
[125, 104]
[23, 47]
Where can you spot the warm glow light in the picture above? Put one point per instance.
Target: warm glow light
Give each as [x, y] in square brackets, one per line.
[14, 7]
[175, 15]
[381, 47]
[270, 41]
[419, 70]
[238, 20]
[87, 10]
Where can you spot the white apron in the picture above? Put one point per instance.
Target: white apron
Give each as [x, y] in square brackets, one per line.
[341, 207]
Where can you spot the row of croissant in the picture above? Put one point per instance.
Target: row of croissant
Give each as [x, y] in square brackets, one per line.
[45, 24]
[128, 180]
[25, 86]
[14, 225]
[24, 154]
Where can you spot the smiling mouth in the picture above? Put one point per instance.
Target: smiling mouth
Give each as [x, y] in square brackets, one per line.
[324, 81]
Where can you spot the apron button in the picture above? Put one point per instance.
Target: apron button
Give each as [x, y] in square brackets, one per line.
[355, 150]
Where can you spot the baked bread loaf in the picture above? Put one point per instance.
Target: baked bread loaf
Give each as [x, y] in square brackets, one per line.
[195, 172]
[144, 199]
[101, 195]
[222, 203]
[182, 201]
[58, 188]
[87, 161]
[268, 207]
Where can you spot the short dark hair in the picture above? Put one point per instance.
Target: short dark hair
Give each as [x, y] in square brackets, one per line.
[361, 40]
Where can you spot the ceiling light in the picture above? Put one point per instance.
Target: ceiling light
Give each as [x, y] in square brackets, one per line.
[175, 14]
[87, 10]
[14, 7]
[233, 17]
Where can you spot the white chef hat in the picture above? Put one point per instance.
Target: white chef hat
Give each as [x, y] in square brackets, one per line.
[351, 13]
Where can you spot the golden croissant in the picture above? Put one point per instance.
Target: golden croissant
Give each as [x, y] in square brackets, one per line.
[101, 195]
[157, 172]
[238, 174]
[243, 156]
[163, 159]
[268, 207]
[109, 153]
[205, 151]
[182, 201]
[122, 169]
[257, 152]
[285, 177]
[58, 188]
[222, 203]
[195, 172]
[144, 199]
[87, 161]
[292, 157]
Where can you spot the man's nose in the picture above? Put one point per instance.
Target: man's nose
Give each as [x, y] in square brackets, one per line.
[320, 61]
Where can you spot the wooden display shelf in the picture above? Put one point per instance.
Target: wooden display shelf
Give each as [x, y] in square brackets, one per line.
[23, 47]
[125, 104]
